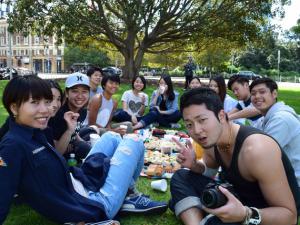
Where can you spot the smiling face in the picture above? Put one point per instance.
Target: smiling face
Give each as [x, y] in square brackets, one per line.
[194, 84]
[78, 96]
[33, 113]
[202, 124]
[96, 78]
[56, 102]
[111, 87]
[262, 98]
[138, 84]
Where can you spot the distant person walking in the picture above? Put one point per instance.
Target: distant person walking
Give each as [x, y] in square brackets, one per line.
[189, 71]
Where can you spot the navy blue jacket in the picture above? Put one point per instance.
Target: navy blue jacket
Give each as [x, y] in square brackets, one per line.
[31, 167]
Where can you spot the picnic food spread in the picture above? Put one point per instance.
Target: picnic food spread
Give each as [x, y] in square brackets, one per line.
[161, 153]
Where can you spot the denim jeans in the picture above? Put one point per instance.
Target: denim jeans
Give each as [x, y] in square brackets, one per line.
[120, 116]
[162, 119]
[127, 160]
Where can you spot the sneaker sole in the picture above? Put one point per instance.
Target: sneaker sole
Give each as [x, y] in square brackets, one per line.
[154, 210]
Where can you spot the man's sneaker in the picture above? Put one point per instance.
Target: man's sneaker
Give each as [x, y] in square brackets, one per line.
[175, 125]
[142, 204]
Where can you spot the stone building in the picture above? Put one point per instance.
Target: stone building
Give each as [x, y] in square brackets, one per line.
[40, 54]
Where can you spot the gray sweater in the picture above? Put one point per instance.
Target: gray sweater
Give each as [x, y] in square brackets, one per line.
[282, 123]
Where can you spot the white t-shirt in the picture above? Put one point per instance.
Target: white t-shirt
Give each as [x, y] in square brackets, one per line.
[229, 103]
[134, 103]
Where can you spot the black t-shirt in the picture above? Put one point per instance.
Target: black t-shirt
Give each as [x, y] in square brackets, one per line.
[59, 125]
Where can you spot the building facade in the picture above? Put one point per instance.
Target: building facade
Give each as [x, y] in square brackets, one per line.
[40, 54]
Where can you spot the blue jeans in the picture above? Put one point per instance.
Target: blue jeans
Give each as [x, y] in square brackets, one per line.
[127, 161]
[121, 116]
[163, 120]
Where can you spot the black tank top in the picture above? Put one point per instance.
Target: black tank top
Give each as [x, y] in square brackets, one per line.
[248, 192]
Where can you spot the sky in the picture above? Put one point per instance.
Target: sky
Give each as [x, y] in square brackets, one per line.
[292, 14]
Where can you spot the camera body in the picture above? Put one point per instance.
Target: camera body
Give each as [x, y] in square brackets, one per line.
[212, 197]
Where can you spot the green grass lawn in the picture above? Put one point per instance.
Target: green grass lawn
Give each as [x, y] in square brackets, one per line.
[23, 215]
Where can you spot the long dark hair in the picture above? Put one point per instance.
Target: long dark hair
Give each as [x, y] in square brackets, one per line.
[221, 85]
[170, 90]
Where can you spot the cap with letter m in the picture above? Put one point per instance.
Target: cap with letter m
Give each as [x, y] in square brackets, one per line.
[77, 79]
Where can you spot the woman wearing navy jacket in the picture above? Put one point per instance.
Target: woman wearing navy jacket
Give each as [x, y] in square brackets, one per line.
[31, 167]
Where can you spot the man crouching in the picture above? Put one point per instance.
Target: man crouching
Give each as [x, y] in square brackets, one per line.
[264, 183]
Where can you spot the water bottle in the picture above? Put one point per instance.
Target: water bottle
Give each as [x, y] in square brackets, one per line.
[72, 161]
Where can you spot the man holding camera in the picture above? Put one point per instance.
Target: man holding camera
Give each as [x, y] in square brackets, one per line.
[257, 180]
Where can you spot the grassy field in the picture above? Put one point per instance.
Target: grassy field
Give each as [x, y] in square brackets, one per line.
[23, 215]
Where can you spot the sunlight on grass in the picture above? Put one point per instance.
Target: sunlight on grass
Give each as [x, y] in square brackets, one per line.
[23, 215]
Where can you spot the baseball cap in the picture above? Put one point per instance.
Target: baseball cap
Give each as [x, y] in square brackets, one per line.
[77, 79]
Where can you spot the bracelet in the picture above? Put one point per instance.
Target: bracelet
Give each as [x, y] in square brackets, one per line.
[247, 217]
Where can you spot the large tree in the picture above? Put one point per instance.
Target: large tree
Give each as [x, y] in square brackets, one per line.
[135, 27]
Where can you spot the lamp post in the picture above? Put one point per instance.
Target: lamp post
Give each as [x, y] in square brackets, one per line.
[278, 63]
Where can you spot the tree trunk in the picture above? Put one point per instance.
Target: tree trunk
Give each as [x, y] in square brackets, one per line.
[132, 64]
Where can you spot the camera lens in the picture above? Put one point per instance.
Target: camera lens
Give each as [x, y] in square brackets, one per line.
[209, 198]
[213, 198]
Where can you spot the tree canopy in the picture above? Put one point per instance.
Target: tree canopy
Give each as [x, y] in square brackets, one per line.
[136, 27]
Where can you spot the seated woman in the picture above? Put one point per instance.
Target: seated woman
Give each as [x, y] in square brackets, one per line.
[217, 84]
[102, 106]
[34, 169]
[163, 106]
[134, 102]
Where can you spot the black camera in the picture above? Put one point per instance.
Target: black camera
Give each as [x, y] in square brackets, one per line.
[212, 197]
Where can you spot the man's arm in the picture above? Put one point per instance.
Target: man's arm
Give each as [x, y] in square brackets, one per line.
[245, 113]
[262, 160]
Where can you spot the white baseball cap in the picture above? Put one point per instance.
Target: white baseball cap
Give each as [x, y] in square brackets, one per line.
[77, 79]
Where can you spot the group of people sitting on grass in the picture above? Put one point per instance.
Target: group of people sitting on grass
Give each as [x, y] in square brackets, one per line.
[46, 125]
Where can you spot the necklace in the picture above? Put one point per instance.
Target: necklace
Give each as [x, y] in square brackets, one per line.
[227, 146]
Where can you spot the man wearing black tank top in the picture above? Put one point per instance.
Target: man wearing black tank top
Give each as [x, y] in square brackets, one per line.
[261, 174]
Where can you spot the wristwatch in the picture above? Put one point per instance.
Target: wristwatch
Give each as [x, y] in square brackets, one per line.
[255, 218]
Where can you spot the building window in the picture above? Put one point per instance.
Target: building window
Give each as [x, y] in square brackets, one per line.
[2, 30]
[25, 40]
[17, 40]
[36, 40]
[2, 41]
[26, 52]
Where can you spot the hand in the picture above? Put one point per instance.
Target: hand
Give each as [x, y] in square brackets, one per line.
[232, 211]
[134, 119]
[157, 108]
[187, 156]
[143, 98]
[71, 119]
[120, 130]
